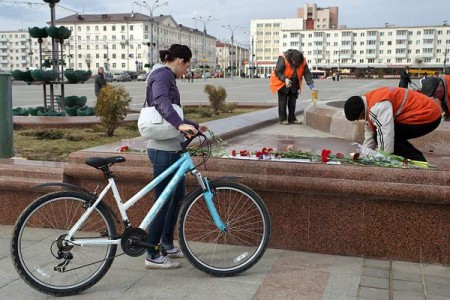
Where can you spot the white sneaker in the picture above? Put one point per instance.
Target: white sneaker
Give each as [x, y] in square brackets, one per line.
[162, 262]
[175, 253]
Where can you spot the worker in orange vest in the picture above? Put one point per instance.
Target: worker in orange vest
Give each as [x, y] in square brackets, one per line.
[437, 88]
[286, 80]
[393, 116]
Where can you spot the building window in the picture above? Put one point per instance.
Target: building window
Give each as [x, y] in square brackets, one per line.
[113, 28]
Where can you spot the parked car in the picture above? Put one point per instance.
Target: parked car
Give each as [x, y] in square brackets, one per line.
[133, 75]
[121, 77]
[218, 74]
[109, 77]
[142, 77]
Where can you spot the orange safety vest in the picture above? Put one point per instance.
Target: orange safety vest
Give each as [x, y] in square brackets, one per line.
[409, 107]
[275, 82]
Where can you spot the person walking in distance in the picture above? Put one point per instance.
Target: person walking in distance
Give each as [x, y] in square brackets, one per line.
[100, 80]
[405, 79]
[393, 116]
[286, 80]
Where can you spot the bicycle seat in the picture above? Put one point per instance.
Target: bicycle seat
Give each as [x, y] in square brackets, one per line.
[100, 162]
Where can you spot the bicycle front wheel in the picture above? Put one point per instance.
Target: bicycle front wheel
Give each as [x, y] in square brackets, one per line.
[234, 250]
[38, 247]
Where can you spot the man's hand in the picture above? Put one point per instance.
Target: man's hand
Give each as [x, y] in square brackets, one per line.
[288, 82]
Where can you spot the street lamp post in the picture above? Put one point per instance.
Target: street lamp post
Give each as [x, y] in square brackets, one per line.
[339, 59]
[231, 29]
[251, 55]
[151, 8]
[445, 61]
[204, 21]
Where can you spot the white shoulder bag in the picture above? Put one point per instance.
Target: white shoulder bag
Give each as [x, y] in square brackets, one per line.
[153, 126]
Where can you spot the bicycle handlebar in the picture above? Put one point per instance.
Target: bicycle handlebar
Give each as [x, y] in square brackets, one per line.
[189, 140]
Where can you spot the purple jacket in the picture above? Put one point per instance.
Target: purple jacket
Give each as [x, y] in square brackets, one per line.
[162, 92]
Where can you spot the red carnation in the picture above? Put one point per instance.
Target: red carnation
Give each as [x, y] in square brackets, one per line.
[325, 153]
[233, 153]
[339, 155]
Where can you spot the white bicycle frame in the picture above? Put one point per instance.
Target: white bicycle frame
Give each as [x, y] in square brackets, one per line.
[182, 166]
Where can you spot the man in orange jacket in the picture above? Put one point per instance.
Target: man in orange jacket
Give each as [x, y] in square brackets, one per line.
[286, 80]
[437, 88]
[393, 116]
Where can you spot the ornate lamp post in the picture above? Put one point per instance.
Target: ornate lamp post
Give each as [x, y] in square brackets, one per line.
[151, 8]
[204, 55]
[231, 29]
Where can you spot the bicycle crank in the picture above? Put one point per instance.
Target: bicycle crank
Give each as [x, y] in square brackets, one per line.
[134, 242]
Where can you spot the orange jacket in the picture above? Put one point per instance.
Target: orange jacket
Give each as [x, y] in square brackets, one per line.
[410, 108]
[276, 83]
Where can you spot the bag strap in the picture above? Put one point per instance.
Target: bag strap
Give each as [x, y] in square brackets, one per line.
[145, 103]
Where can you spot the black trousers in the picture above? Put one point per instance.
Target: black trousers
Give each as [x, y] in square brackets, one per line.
[405, 132]
[286, 106]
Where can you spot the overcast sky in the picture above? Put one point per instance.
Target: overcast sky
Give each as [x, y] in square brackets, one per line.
[353, 13]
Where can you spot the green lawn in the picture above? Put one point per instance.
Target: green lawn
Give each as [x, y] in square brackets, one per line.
[56, 144]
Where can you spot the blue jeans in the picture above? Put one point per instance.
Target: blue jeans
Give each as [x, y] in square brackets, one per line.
[163, 226]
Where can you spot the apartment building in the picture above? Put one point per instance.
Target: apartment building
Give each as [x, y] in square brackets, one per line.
[319, 18]
[389, 48]
[231, 55]
[118, 42]
[122, 42]
[19, 51]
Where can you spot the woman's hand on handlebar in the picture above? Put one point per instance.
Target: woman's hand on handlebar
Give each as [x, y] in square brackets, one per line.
[188, 130]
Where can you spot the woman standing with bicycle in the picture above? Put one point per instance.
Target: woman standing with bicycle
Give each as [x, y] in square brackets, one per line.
[162, 92]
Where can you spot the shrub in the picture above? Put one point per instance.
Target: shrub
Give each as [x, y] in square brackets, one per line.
[217, 96]
[230, 107]
[204, 112]
[49, 134]
[111, 107]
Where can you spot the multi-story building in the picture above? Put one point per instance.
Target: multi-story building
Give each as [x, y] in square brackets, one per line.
[123, 42]
[19, 51]
[319, 18]
[387, 48]
[267, 40]
[231, 55]
[118, 42]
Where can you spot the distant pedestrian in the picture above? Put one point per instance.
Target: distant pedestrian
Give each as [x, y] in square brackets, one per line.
[405, 79]
[100, 80]
[425, 75]
[189, 76]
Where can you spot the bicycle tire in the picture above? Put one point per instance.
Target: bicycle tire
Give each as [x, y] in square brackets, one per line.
[34, 243]
[245, 240]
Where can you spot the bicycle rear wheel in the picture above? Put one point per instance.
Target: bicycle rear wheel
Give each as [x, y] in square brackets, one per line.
[37, 245]
[239, 247]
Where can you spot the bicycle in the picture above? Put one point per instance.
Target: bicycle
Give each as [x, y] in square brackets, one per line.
[64, 242]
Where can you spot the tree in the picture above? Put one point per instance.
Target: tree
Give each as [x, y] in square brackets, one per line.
[111, 107]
